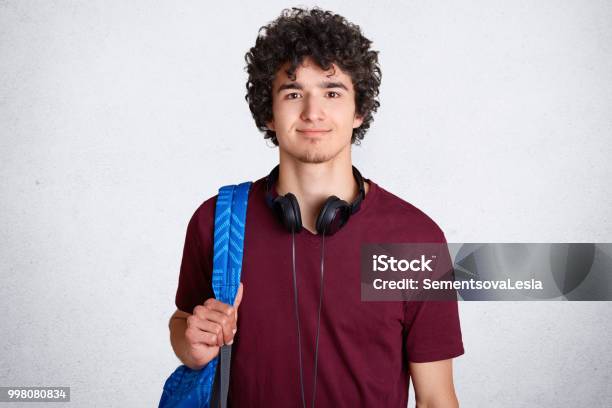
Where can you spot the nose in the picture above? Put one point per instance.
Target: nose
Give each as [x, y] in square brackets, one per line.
[312, 109]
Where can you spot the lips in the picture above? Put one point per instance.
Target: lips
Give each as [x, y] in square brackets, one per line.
[313, 132]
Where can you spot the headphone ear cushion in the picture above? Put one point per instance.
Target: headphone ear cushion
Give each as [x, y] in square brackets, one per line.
[297, 215]
[334, 214]
[288, 211]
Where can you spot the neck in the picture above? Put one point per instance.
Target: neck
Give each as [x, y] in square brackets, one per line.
[312, 183]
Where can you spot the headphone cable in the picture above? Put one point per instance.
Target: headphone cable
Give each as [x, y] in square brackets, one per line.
[297, 315]
[314, 391]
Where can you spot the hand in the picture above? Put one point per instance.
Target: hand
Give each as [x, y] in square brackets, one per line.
[212, 325]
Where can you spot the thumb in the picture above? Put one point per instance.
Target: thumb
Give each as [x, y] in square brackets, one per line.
[238, 296]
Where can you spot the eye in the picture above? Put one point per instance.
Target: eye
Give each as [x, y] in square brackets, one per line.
[290, 95]
[335, 93]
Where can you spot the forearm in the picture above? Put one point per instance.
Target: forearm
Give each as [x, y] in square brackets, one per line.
[433, 384]
[179, 344]
[443, 401]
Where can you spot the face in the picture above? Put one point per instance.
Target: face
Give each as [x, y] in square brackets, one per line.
[314, 115]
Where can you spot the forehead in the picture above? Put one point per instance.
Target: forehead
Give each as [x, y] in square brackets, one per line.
[309, 71]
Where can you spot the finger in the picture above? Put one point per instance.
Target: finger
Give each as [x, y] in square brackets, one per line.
[213, 330]
[238, 298]
[195, 336]
[213, 334]
[227, 323]
[237, 301]
[220, 324]
[218, 306]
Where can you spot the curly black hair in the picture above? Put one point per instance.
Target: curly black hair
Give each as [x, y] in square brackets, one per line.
[326, 38]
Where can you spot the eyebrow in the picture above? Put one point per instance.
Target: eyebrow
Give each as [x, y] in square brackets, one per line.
[323, 85]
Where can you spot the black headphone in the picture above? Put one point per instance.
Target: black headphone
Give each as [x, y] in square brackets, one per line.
[333, 215]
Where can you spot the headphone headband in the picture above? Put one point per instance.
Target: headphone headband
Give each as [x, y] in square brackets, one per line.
[333, 215]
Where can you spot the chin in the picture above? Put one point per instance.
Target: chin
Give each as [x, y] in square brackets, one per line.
[315, 156]
[314, 152]
[313, 159]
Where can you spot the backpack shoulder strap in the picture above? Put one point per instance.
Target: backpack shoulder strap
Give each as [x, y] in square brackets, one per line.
[230, 220]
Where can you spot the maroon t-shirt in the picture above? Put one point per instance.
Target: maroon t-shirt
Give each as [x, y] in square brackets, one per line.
[364, 347]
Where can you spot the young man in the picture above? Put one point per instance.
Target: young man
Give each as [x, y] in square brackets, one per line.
[304, 337]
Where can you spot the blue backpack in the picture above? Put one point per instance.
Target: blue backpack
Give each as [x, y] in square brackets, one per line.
[208, 387]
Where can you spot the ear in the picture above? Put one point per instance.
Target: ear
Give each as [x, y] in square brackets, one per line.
[357, 121]
[270, 125]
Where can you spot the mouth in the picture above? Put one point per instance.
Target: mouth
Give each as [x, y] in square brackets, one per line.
[313, 132]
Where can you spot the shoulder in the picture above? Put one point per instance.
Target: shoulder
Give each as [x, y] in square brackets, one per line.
[406, 216]
[201, 223]
[205, 212]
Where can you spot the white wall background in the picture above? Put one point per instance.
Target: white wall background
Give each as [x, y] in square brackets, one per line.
[496, 120]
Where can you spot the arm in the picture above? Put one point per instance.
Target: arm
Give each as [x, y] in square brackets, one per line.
[433, 384]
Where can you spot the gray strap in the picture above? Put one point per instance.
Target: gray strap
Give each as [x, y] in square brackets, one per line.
[214, 398]
[224, 362]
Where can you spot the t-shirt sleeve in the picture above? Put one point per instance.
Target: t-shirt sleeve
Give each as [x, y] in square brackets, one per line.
[194, 285]
[433, 328]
